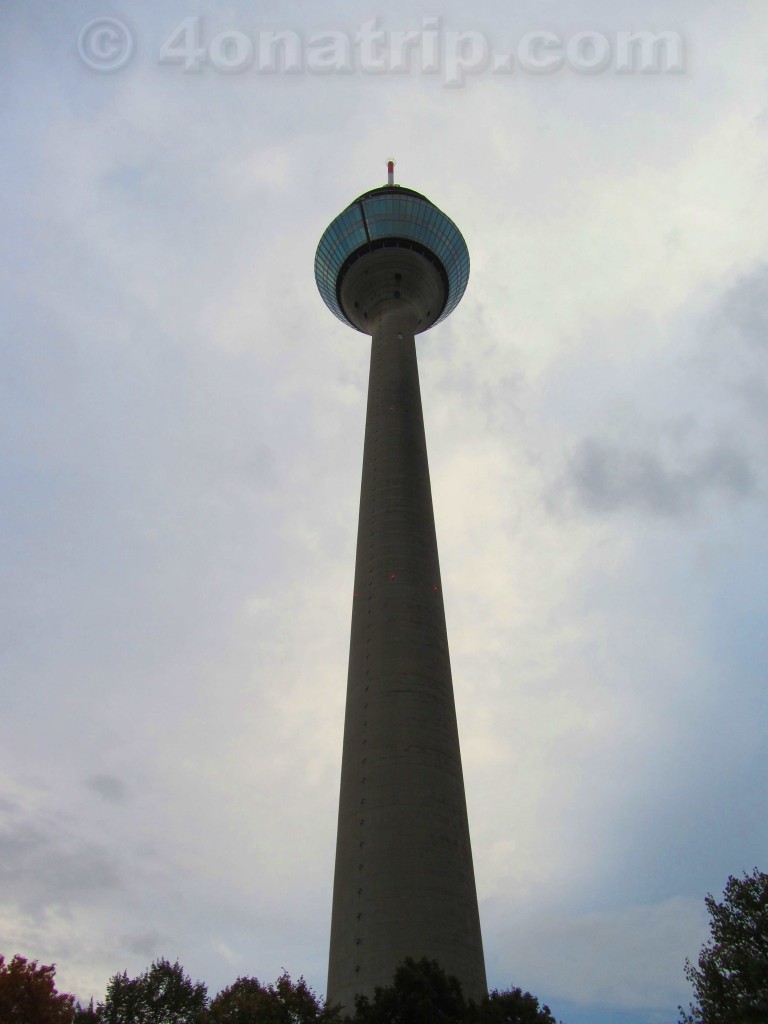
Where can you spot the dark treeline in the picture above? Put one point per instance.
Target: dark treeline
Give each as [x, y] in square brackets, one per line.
[421, 993]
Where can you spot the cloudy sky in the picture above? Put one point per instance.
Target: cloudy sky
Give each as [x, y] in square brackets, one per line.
[182, 426]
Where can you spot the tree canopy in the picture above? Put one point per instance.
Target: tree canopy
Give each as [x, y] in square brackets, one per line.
[247, 1001]
[163, 994]
[28, 994]
[422, 993]
[730, 983]
[512, 1006]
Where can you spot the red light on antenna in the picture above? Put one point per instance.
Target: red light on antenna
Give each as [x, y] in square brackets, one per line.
[393, 575]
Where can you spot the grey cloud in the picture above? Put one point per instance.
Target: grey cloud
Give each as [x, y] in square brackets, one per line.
[43, 865]
[145, 944]
[745, 307]
[108, 787]
[736, 340]
[608, 478]
[705, 447]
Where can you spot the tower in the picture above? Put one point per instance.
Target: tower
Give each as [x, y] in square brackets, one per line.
[392, 265]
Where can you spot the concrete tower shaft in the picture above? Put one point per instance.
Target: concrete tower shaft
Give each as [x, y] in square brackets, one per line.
[404, 881]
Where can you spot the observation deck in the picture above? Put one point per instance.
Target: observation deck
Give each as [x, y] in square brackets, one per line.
[392, 218]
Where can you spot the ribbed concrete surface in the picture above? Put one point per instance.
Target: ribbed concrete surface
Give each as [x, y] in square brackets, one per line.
[404, 882]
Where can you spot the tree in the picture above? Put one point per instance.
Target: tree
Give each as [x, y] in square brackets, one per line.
[421, 993]
[730, 984]
[89, 1014]
[247, 1001]
[511, 1006]
[163, 994]
[28, 994]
